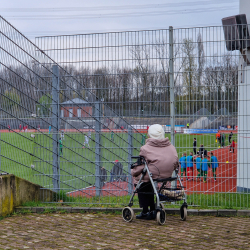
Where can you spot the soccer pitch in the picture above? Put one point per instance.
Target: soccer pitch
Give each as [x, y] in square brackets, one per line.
[31, 158]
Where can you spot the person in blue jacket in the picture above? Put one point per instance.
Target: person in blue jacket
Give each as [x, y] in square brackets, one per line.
[190, 166]
[198, 166]
[183, 163]
[214, 164]
[204, 168]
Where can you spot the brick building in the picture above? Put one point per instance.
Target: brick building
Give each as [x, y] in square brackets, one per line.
[76, 108]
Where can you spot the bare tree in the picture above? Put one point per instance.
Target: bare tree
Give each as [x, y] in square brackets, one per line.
[189, 71]
[201, 63]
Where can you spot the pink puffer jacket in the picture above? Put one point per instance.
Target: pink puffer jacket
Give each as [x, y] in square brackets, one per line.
[161, 157]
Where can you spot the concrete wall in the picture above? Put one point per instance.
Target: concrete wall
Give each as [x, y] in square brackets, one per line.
[14, 191]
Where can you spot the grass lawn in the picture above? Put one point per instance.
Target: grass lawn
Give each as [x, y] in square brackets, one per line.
[197, 201]
[77, 164]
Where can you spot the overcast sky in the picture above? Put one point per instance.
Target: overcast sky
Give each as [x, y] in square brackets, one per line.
[53, 17]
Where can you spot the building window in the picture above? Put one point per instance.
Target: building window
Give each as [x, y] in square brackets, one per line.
[62, 113]
[79, 112]
[70, 112]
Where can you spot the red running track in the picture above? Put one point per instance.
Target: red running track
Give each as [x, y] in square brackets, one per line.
[226, 174]
[118, 188]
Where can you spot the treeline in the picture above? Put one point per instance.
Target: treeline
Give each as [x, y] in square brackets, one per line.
[143, 89]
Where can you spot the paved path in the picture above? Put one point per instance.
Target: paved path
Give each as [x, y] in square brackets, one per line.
[107, 231]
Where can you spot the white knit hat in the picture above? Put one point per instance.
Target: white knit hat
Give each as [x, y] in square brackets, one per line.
[156, 132]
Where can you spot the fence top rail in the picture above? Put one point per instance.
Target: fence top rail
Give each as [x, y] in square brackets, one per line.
[143, 30]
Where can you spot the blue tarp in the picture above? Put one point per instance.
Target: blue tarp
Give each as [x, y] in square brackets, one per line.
[175, 125]
[200, 131]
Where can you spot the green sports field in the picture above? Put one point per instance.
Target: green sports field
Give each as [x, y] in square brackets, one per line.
[31, 158]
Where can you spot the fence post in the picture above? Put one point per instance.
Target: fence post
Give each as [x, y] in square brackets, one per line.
[0, 144]
[55, 127]
[130, 153]
[1, 110]
[171, 77]
[97, 116]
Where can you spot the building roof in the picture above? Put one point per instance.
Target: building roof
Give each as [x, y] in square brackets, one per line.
[75, 101]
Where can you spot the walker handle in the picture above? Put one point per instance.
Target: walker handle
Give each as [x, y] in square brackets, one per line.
[140, 161]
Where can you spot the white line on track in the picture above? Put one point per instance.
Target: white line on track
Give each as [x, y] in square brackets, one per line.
[220, 184]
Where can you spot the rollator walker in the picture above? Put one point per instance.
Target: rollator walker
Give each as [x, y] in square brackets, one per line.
[162, 192]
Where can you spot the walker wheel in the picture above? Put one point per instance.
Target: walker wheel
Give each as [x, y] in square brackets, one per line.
[128, 214]
[183, 213]
[161, 217]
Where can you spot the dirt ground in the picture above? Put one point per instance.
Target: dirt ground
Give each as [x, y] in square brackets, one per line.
[109, 231]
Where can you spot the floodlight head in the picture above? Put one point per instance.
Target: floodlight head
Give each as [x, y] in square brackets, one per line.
[236, 32]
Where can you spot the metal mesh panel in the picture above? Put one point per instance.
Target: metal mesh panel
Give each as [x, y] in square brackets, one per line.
[55, 132]
[131, 72]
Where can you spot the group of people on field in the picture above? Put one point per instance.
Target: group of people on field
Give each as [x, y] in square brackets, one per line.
[201, 151]
[24, 128]
[221, 139]
[202, 162]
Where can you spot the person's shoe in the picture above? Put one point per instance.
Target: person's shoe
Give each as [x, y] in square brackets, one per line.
[230, 151]
[154, 214]
[214, 180]
[142, 216]
[181, 179]
[151, 215]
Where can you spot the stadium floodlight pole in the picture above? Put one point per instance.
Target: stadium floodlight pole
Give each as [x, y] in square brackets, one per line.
[172, 103]
[0, 140]
[55, 127]
[1, 111]
[243, 135]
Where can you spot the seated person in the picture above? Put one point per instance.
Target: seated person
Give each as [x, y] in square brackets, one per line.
[201, 150]
[116, 171]
[162, 160]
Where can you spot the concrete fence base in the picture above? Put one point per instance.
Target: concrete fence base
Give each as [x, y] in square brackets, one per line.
[169, 211]
[14, 191]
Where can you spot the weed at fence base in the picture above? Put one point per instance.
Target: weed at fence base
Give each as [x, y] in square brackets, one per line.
[197, 201]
